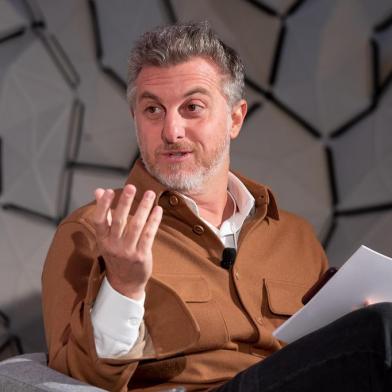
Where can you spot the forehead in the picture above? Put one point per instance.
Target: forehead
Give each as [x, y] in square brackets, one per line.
[197, 72]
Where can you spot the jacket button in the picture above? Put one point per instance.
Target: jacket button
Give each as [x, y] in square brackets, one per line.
[198, 229]
[260, 200]
[173, 200]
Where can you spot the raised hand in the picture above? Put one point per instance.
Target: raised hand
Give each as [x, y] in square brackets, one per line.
[125, 242]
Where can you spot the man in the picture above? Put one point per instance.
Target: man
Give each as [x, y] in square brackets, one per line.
[138, 290]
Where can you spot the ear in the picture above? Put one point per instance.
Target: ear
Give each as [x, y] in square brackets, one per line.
[238, 114]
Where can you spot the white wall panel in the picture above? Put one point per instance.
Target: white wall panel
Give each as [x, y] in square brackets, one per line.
[363, 159]
[65, 125]
[106, 119]
[367, 229]
[326, 69]
[10, 20]
[251, 32]
[34, 95]
[280, 6]
[121, 23]
[277, 151]
[86, 181]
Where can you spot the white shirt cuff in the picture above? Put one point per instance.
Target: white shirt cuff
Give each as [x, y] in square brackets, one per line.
[116, 320]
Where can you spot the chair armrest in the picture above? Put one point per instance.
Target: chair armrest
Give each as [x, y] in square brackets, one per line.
[30, 373]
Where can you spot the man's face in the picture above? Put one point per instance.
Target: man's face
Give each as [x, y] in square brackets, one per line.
[183, 123]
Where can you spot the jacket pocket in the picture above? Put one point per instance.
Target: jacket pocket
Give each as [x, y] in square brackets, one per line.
[194, 290]
[284, 298]
[281, 299]
[191, 288]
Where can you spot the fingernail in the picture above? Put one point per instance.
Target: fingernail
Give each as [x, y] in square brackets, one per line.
[99, 192]
[109, 192]
[149, 195]
[129, 190]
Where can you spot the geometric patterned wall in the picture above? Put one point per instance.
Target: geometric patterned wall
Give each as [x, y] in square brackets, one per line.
[318, 84]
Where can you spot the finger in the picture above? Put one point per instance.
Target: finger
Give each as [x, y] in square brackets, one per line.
[136, 224]
[120, 214]
[102, 210]
[150, 230]
[99, 193]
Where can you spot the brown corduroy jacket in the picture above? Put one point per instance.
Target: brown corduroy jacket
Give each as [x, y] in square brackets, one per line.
[203, 324]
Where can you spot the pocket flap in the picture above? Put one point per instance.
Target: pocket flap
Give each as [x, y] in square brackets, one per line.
[191, 288]
[284, 298]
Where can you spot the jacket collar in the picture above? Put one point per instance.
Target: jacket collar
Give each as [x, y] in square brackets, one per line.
[263, 196]
[143, 181]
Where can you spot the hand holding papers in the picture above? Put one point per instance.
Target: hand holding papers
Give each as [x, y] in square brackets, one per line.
[365, 277]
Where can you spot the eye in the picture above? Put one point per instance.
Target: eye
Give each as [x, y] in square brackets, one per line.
[193, 107]
[153, 111]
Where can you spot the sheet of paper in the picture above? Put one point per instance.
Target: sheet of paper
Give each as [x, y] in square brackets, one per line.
[366, 275]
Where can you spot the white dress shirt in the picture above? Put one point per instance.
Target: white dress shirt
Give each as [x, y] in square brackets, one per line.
[116, 319]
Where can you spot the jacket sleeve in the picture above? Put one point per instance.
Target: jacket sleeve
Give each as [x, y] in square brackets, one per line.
[71, 279]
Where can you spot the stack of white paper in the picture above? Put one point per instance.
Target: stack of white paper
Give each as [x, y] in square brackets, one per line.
[366, 276]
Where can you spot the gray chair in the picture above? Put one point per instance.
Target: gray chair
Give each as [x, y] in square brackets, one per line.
[29, 373]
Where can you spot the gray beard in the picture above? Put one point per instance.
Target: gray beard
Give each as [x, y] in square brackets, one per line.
[184, 182]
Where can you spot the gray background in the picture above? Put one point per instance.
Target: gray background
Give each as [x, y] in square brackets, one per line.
[318, 131]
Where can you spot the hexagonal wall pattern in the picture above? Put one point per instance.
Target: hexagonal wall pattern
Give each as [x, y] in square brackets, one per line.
[326, 66]
[382, 44]
[281, 7]
[104, 117]
[384, 40]
[363, 159]
[318, 86]
[84, 183]
[23, 243]
[275, 149]
[35, 107]
[10, 21]
[117, 35]
[367, 228]
[247, 37]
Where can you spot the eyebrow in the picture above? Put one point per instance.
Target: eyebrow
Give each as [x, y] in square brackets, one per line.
[196, 90]
[148, 95]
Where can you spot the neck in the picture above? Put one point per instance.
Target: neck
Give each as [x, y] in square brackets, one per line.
[213, 202]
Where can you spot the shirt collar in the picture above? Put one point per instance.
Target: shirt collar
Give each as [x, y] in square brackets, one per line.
[241, 196]
[239, 186]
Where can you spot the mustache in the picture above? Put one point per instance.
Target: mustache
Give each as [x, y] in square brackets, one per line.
[167, 148]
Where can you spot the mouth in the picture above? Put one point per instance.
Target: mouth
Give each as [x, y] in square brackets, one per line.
[176, 155]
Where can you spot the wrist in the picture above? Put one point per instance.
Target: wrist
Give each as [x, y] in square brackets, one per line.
[132, 291]
[135, 294]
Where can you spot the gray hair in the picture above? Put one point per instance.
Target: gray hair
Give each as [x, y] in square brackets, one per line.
[175, 44]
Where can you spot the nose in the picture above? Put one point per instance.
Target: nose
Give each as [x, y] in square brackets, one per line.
[173, 127]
